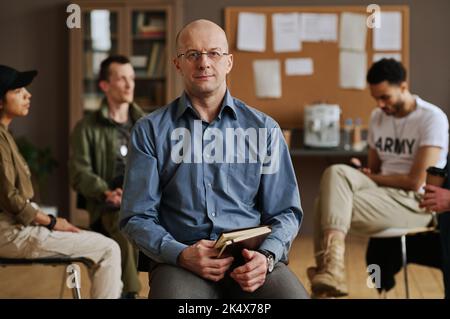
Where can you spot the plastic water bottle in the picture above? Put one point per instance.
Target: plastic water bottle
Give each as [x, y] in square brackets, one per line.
[357, 140]
[347, 134]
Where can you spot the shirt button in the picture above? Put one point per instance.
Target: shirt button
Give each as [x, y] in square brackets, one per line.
[209, 184]
[213, 214]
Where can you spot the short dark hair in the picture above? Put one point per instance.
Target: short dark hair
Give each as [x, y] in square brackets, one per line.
[3, 100]
[386, 70]
[104, 66]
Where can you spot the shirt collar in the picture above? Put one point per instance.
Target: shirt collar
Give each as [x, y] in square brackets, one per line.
[184, 103]
[134, 111]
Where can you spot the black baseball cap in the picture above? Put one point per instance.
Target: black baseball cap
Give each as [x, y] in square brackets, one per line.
[11, 79]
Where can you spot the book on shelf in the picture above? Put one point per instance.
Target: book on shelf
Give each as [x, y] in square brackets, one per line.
[154, 59]
[232, 242]
[147, 25]
[161, 68]
[138, 61]
[152, 35]
[88, 68]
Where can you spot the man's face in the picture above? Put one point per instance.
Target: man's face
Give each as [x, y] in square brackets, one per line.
[389, 97]
[206, 75]
[120, 84]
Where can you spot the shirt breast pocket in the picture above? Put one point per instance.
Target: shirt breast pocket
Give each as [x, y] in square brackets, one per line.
[243, 181]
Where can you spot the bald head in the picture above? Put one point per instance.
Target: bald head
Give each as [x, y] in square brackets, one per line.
[206, 31]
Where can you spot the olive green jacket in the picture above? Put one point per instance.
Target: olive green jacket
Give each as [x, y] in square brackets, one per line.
[92, 160]
[16, 189]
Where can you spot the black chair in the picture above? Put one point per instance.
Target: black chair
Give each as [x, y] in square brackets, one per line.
[54, 261]
[388, 250]
[143, 264]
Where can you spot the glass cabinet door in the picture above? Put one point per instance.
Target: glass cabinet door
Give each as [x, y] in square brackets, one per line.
[100, 39]
[148, 56]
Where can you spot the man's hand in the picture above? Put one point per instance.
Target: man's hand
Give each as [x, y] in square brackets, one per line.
[114, 197]
[63, 225]
[200, 258]
[436, 199]
[356, 163]
[252, 275]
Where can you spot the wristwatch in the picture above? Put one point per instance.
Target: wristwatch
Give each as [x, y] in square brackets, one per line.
[270, 259]
[52, 222]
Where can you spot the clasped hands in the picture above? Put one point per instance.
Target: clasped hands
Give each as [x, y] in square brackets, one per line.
[200, 258]
[114, 197]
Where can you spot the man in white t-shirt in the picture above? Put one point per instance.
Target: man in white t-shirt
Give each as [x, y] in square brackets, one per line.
[406, 135]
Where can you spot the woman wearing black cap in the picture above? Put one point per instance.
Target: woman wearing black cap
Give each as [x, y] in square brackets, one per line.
[25, 231]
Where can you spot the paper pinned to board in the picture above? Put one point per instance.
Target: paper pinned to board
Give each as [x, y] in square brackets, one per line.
[315, 27]
[299, 66]
[353, 32]
[388, 55]
[251, 32]
[267, 75]
[352, 70]
[389, 35]
[285, 32]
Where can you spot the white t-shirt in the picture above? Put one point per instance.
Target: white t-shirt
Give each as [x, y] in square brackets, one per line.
[397, 140]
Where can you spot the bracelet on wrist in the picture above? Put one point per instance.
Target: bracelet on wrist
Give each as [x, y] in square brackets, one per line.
[52, 222]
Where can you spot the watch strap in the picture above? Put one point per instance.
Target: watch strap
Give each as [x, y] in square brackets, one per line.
[270, 259]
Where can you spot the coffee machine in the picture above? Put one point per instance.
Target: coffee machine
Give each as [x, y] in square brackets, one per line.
[321, 125]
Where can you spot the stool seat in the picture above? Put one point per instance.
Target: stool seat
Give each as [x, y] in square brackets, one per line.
[398, 232]
[47, 261]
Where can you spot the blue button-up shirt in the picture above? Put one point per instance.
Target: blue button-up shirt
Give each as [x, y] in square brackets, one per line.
[188, 180]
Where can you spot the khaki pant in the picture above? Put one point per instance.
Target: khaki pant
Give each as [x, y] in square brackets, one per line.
[18, 241]
[350, 201]
[108, 225]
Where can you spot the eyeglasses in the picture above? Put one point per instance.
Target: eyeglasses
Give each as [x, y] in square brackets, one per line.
[193, 56]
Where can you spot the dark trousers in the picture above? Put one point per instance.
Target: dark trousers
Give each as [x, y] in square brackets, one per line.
[108, 225]
[172, 282]
[444, 228]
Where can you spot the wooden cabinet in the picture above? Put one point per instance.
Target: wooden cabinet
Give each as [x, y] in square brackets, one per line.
[144, 31]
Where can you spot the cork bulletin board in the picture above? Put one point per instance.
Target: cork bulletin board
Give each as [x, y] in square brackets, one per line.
[322, 85]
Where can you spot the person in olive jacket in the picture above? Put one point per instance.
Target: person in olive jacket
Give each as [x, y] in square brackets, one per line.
[99, 146]
[25, 230]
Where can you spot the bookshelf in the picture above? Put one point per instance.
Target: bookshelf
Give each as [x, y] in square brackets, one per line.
[149, 56]
[144, 31]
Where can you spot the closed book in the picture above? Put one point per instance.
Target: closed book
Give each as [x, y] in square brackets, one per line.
[233, 242]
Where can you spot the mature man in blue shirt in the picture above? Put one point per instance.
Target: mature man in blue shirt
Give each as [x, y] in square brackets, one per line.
[204, 164]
